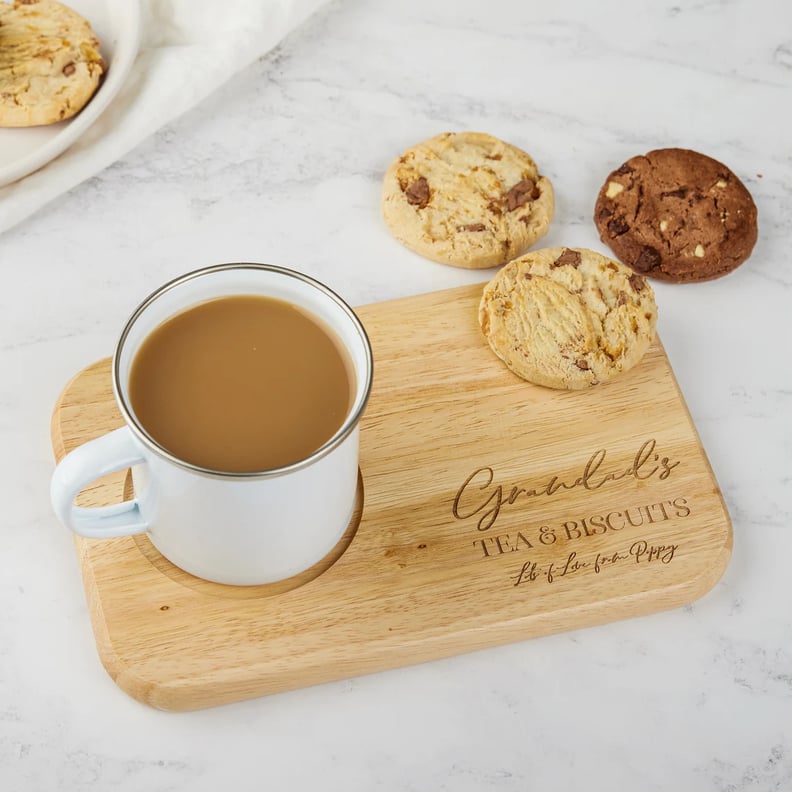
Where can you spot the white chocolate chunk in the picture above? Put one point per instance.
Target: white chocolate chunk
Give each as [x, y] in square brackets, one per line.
[699, 251]
[614, 188]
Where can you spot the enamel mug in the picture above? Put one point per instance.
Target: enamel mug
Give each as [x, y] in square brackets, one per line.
[232, 528]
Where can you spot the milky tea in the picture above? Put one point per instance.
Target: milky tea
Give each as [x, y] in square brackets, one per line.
[241, 384]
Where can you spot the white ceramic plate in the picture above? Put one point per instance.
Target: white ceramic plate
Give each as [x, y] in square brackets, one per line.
[117, 25]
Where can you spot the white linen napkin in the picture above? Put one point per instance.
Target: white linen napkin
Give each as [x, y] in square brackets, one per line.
[188, 48]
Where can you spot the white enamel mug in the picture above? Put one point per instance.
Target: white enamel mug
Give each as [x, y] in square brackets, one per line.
[234, 528]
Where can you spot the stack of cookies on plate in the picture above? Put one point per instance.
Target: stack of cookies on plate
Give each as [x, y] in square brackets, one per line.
[568, 317]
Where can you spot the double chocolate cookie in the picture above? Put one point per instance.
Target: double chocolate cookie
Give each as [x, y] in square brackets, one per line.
[677, 215]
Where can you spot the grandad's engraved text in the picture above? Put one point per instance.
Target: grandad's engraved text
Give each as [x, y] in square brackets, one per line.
[480, 497]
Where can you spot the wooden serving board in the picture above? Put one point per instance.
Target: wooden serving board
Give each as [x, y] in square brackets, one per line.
[492, 511]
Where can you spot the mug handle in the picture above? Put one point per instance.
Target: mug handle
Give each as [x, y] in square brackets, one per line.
[96, 458]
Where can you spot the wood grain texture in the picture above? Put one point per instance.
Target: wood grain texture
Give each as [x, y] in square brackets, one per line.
[493, 511]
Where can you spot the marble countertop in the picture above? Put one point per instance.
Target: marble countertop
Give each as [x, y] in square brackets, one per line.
[284, 165]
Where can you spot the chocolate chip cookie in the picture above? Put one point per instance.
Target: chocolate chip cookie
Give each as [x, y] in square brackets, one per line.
[467, 199]
[568, 317]
[677, 215]
[50, 64]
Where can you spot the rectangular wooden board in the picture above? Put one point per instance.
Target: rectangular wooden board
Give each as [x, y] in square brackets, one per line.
[492, 511]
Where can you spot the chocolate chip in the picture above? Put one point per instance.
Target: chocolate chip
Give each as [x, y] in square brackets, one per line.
[69, 69]
[603, 213]
[495, 207]
[494, 156]
[638, 282]
[582, 364]
[624, 169]
[618, 226]
[522, 192]
[418, 193]
[472, 227]
[621, 299]
[680, 193]
[648, 260]
[568, 257]
[527, 276]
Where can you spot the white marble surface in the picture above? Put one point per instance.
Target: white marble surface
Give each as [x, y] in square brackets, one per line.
[284, 166]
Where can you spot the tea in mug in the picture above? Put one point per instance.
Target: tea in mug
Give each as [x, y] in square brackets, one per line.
[242, 383]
